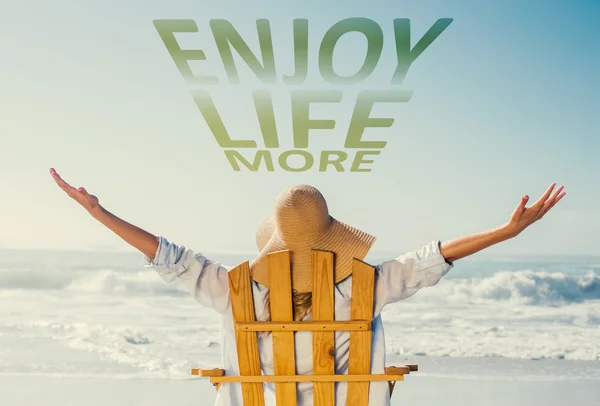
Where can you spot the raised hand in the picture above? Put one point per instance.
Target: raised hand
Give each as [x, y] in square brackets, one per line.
[80, 195]
[523, 216]
[135, 236]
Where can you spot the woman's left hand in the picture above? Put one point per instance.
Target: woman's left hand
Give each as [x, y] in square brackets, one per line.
[523, 216]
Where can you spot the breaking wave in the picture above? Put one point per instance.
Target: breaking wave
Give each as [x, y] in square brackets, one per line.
[524, 287]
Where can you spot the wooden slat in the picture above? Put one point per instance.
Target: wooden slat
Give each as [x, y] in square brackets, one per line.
[323, 341]
[321, 379]
[242, 306]
[359, 363]
[397, 370]
[392, 370]
[280, 288]
[208, 372]
[359, 325]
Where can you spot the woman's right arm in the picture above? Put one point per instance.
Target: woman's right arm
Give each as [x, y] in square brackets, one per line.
[206, 280]
[144, 241]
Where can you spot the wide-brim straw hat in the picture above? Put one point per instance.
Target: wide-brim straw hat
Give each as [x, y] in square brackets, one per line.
[300, 223]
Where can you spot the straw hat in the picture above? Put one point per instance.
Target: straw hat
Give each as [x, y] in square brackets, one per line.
[300, 223]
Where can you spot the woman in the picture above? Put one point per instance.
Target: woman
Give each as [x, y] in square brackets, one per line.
[299, 223]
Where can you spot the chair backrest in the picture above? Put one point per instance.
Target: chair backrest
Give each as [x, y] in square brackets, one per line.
[323, 327]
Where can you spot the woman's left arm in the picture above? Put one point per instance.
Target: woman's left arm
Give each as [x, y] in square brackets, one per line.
[521, 218]
[402, 277]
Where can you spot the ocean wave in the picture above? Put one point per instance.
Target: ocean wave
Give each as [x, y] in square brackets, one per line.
[108, 282]
[111, 282]
[523, 287]
[87, 347]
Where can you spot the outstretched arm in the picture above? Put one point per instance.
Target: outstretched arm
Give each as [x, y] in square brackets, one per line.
[144, 241]
[521, 218]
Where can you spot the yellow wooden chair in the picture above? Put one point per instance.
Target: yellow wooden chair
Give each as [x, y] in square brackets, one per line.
[322, 325]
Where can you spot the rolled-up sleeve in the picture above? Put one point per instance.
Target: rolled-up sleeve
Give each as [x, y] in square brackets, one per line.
[206, 280]
[402, 277]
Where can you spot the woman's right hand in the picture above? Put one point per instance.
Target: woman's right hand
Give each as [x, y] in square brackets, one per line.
[80, 195]
[144, 241]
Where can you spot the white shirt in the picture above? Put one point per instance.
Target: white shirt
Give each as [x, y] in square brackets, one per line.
[208, 283]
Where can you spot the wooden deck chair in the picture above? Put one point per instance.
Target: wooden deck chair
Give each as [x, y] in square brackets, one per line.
[322, 325]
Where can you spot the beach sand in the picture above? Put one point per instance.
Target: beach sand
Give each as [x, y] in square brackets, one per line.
[440, 381]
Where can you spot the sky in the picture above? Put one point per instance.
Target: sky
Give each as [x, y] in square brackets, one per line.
[505, 101]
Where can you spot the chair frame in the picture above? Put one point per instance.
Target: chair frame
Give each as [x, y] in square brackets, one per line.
[323, 326]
